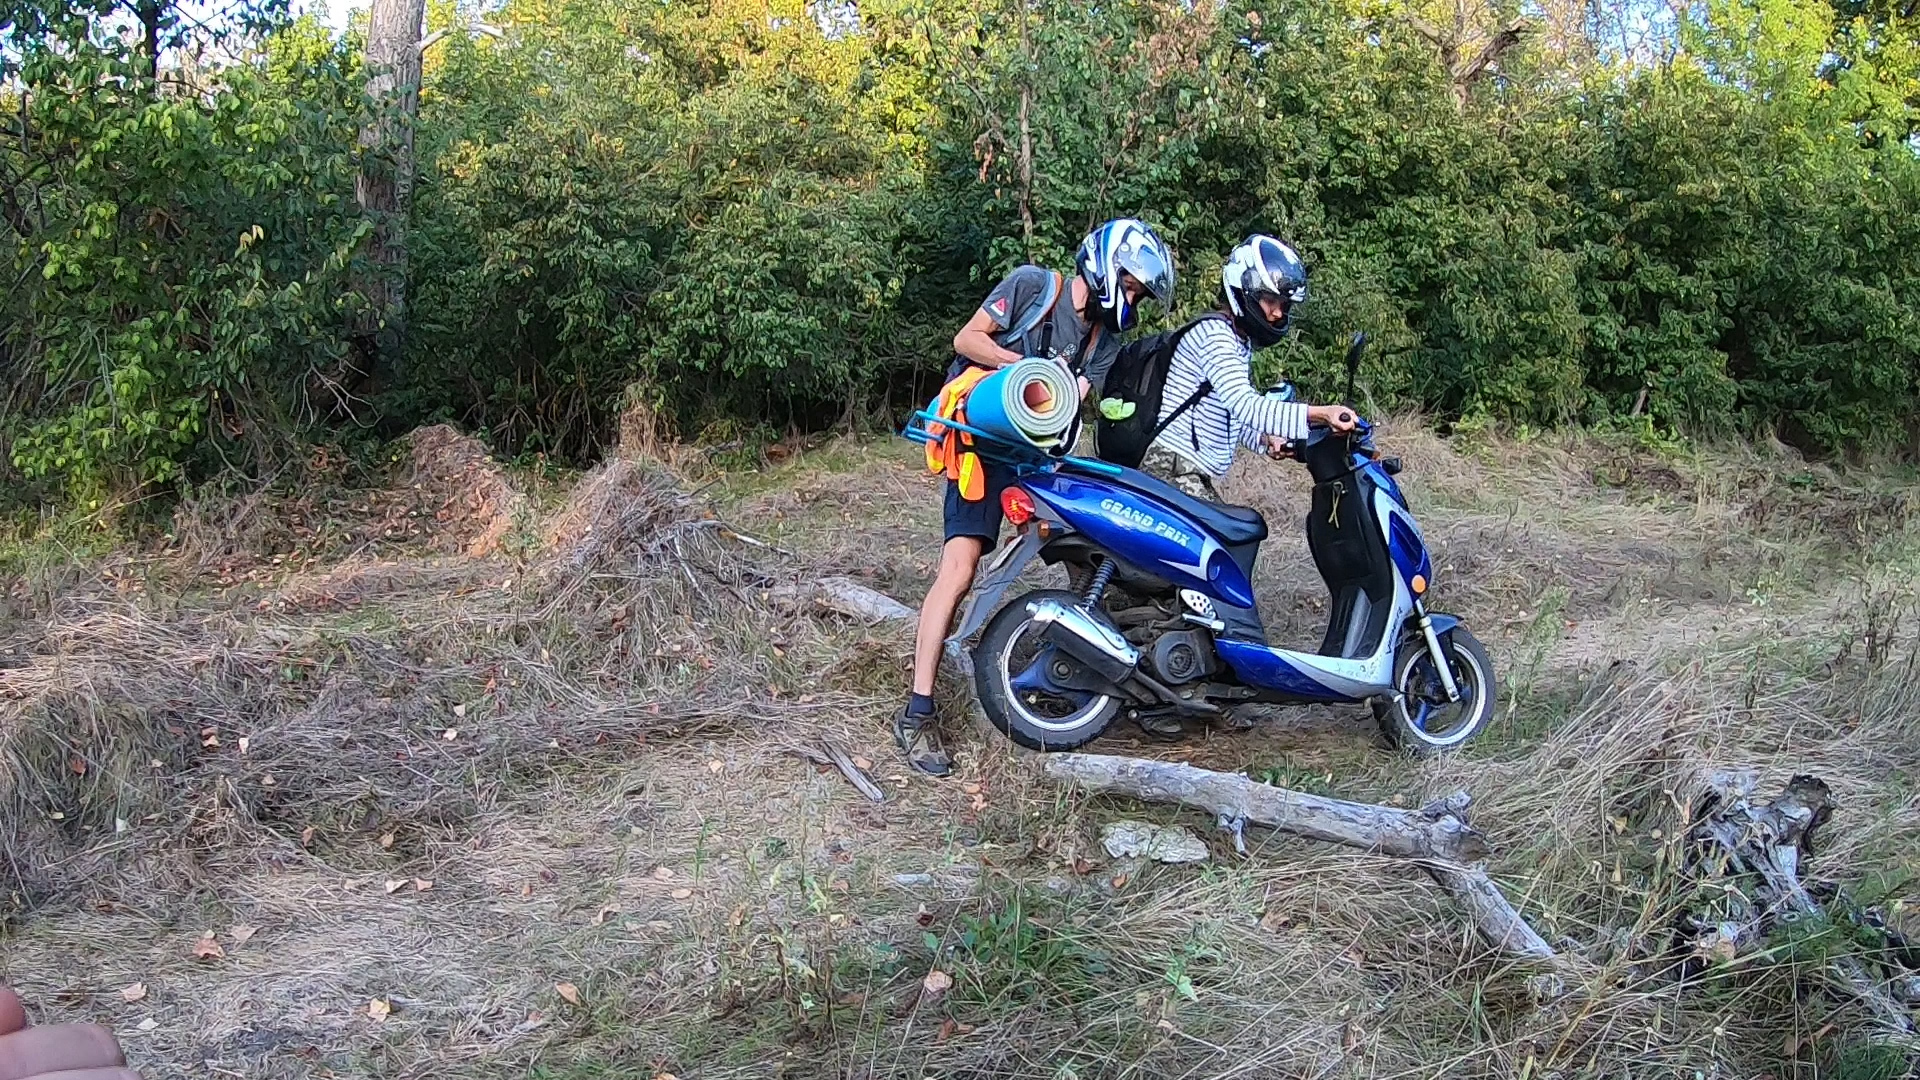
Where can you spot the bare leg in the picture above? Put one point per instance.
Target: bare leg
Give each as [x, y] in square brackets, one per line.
[916, 734]
[959, 559]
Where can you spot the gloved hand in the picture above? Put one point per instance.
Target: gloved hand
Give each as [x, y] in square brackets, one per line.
[65, 1051]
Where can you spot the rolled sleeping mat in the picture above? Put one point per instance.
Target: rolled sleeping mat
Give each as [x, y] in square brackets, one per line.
[1032, 400]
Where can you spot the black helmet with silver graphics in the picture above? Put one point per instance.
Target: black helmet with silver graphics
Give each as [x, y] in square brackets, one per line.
[1262, 267]
[1130, 245]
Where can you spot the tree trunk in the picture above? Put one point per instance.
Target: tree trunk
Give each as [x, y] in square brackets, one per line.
[385, 183]
[1026, 136]
[1468, 50]
[150, 12]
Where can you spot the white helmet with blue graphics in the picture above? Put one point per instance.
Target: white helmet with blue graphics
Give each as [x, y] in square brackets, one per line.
[1129, 245]
[1263, 276]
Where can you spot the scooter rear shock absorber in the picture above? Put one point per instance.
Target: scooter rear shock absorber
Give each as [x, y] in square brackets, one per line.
[1102, 574]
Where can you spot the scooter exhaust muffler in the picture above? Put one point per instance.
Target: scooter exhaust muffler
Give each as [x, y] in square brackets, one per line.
[1078, 634]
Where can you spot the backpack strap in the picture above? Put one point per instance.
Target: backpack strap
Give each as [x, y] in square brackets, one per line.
[1040, 310]
[1049, 295]
[1198, 395]
[1085, 356]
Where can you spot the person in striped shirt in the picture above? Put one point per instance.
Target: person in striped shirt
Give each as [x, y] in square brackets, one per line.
[1211, 375]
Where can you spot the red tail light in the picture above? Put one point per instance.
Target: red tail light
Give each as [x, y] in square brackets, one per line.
[1017, 505]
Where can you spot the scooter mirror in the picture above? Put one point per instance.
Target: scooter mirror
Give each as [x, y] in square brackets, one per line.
[1353, 363]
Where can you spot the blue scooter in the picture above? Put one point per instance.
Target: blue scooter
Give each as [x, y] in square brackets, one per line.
[1159, 619]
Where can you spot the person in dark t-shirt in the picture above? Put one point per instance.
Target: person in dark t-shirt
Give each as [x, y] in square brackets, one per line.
[1119, 265]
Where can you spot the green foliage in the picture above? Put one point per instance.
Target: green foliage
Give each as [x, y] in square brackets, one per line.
[765, 214]
[689, 203]
[1006, 952]
[1870, 1061]
[178, 265]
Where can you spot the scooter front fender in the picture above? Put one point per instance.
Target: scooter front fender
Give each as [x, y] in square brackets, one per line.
[1000, 573]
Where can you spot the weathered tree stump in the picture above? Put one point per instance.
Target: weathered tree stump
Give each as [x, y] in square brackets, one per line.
[1753, 850]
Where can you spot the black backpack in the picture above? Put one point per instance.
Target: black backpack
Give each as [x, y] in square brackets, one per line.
[1139, 376]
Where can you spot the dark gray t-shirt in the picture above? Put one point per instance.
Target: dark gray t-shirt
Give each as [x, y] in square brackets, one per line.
[1061, 334]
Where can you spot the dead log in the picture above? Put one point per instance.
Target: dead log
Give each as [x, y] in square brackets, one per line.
[1438, 837]
[854, 774]
[844, 596]
[1738, 836]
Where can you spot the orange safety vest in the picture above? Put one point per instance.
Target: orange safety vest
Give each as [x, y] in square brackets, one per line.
[948, 448]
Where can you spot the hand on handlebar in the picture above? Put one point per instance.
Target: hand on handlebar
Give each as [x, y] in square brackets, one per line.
[1337, 417]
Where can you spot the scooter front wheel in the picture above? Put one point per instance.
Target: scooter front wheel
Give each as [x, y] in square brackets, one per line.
[1421, 719]
[1025, 683]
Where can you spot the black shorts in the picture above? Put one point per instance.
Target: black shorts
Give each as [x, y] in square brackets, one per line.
[978, 519]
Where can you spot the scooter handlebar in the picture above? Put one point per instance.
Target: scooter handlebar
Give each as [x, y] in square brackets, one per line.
[1360, 436]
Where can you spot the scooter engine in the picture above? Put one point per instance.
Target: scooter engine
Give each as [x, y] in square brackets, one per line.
[1183, 656]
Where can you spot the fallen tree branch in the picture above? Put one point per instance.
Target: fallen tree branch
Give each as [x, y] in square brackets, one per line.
[829, 753]
[731, 533]
[843, 596]
[852, 771]
[1438, 836]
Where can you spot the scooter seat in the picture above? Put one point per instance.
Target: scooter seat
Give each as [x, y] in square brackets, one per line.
[1234, 525]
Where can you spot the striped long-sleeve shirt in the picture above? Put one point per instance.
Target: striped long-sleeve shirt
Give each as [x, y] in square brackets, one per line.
[1233, 413]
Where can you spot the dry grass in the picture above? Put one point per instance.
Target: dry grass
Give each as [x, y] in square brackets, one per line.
[579, 739]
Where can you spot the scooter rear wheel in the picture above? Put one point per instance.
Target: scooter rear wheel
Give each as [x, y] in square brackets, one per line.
[1422, 720]
[1016, 674]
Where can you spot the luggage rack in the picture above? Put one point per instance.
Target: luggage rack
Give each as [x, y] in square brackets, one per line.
[1024, 457]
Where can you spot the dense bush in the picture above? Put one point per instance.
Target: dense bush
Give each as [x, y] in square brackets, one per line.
[769, 213]
[175, 249]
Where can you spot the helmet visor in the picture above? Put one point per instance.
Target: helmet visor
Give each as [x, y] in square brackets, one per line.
[1149, 266]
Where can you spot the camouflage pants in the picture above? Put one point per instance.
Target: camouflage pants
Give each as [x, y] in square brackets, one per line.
[1181, 473]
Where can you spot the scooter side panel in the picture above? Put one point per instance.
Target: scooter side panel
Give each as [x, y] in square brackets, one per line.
[1405, 544]
[1145, 532]
[1315, 677]
[1306, 676]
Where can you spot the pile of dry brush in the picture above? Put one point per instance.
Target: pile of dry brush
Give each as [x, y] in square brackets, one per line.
[391, 697]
